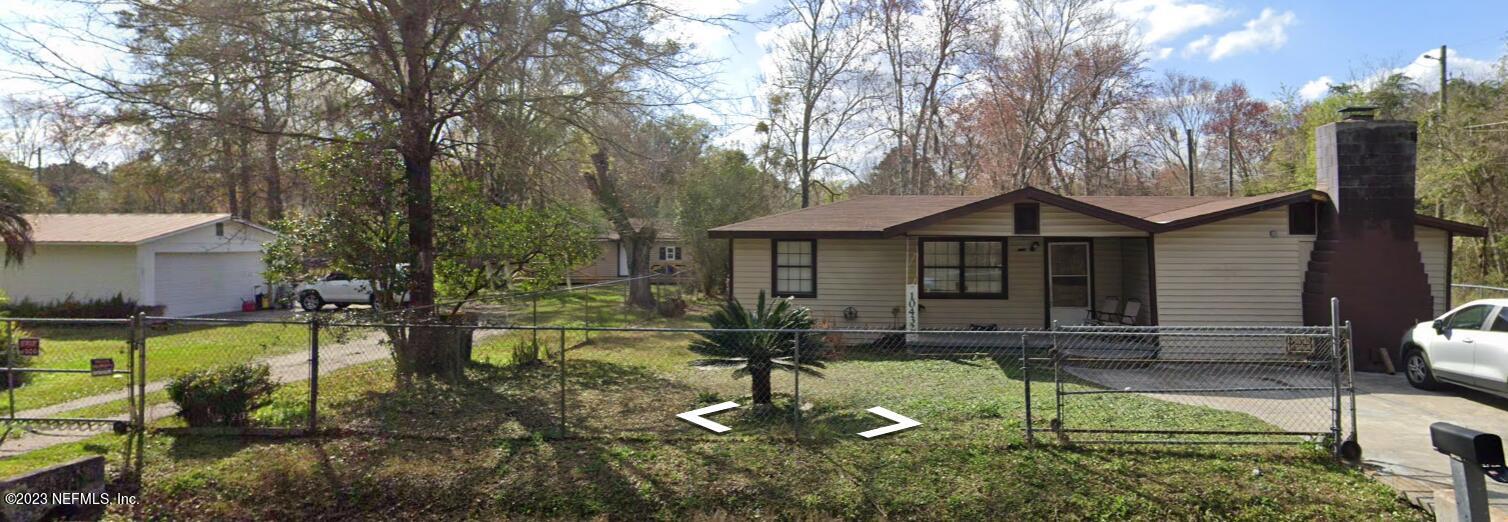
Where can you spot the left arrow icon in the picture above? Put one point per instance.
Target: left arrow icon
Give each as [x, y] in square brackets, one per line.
[695, 416]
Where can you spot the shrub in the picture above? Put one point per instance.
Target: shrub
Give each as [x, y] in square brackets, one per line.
[19, 378]
[117, 307]
[223, 396]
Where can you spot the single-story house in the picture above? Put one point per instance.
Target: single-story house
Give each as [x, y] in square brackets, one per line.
[190, 264]
[1029, 258]
[667, 256]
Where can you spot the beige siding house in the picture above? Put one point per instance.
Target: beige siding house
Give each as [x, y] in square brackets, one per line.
[1027, 258]
[668, 256]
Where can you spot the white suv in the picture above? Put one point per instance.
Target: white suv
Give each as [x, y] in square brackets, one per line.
[337, 289]
[1467, 346]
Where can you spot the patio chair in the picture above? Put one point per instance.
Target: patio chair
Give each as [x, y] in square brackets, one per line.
[1108, 312]
[1133, 309]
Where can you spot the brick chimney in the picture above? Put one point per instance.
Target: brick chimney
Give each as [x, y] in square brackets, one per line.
[1365, 252]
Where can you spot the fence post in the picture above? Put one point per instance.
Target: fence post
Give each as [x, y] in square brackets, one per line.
[796, 406]
[586, 299]
[11, 355]
[562, 382]
[1057, 384]
[1026, 381]
[1335, 362]
[141, 352]
[535, 320]
[1351, 377]
[313, 374]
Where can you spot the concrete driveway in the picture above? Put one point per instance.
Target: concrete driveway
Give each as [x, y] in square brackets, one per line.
[1393, 418]
[1393, 421]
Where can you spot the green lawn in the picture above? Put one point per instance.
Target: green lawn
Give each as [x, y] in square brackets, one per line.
[491, 449]
[488, 449]
[171, 350]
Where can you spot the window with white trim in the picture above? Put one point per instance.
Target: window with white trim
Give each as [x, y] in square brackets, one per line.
[670, 253]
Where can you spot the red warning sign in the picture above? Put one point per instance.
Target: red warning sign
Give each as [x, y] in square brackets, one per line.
[29, 346]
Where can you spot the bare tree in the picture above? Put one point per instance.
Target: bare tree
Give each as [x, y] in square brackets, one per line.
[925, 46]
[1058, 69]
[817, 93]
[1178, 103]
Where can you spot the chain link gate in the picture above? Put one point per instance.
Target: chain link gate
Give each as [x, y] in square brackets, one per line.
[52, 410]
[1260, 384]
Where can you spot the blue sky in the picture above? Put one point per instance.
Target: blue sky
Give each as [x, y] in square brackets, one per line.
[1267, 45]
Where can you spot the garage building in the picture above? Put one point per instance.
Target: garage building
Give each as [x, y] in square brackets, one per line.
[190, 264]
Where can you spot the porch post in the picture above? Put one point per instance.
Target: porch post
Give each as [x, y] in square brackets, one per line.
[913, 298]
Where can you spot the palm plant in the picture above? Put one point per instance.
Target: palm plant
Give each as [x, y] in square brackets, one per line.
[756, 354]
[17, 196]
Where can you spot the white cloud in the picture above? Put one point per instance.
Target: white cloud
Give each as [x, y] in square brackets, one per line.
[1267, 31]
[1425, 69]
[1316, 88]
[1163, 20]
[1199, 46]
[1164, 53]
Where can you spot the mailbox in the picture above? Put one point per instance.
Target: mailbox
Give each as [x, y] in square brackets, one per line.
[1484, 449]
[1474, 455]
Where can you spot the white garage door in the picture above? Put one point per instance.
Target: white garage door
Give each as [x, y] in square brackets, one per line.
[197, 284]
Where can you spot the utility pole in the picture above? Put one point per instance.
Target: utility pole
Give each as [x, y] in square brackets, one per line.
[39, 166]
[1230, 157]
[1444, 86]
[1189, 133]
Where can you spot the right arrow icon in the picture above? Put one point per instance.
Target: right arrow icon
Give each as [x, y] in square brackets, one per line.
[902, 422]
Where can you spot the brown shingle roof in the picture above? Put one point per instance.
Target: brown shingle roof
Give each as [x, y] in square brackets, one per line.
[863, 214]
[123, 229]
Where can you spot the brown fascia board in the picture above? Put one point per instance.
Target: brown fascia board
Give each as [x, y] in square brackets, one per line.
[795, 234]
[1025, 194]
[1297, 197]
[1457, 227]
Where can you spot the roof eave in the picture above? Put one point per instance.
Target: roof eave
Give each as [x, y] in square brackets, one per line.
[1267, 204]
[1025, 194]
[1454, 227]
[795, 234]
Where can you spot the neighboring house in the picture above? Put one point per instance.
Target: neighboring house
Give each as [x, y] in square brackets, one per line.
[668, 256]
[1027, 258]
[191, 264]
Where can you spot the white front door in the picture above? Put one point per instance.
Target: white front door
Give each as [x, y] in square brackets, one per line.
[1068, 281]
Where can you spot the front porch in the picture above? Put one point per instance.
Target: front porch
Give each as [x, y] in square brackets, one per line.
[1045, 279]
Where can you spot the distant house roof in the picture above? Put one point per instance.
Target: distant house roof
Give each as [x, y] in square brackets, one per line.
[663, 231]
[886, 216]
[116, 229]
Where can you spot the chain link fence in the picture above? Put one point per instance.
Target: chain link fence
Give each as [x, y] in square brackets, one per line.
[1078, 384]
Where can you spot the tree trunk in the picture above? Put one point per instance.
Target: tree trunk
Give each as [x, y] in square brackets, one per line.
[760, 388]
[640, 289]
[426, 351]
[274, 178]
